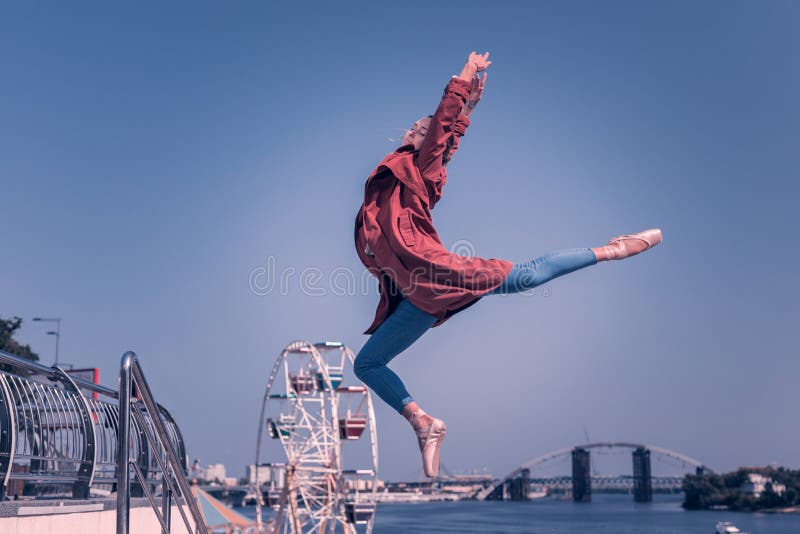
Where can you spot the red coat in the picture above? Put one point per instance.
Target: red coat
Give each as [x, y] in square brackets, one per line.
[394, 232]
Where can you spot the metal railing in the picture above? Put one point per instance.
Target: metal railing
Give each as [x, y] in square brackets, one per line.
[59, 436]
[135, 404]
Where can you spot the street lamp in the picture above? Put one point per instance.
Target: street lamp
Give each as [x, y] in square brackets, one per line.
[56, 333]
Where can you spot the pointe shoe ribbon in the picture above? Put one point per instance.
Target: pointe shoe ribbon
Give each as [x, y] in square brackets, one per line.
[430, 441]
[625, 246]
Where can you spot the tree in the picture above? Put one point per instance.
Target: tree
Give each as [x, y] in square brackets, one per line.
[704, 491]
[9, 344]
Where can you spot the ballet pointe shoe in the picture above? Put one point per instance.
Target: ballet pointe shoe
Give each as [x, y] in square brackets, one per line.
[430, 442]
[625, 246]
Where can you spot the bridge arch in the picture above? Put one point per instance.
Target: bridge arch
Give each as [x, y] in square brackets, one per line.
[565, 451]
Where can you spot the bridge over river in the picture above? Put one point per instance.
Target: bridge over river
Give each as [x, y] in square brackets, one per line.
[516, 486]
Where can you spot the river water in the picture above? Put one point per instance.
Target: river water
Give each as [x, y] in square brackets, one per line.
[606, 514]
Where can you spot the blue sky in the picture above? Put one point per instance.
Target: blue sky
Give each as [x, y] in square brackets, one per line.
[152, 156]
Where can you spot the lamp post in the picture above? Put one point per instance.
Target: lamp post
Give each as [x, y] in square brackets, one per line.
[56, 333]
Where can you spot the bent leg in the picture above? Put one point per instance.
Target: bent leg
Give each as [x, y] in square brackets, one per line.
[525, 276]
[398, 332]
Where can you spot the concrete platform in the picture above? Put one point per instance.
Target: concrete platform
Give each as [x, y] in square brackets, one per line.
[74, 516]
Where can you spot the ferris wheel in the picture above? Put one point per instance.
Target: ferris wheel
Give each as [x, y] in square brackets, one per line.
[319, 421]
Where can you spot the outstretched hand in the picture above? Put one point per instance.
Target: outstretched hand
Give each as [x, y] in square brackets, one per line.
[475, 63]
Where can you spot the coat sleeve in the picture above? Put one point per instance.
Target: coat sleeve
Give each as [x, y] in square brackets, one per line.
[443, 124]
[459, 129]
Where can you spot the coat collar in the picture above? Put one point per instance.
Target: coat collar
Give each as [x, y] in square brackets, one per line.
[401, 164]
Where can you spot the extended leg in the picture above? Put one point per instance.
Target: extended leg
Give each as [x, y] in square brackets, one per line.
[525, 276]
[534, 273]
[398, 332]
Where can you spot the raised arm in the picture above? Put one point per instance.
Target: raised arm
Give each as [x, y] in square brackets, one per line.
[451, 116]
[462, 122]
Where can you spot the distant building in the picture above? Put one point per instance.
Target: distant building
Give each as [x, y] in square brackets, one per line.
[362, 484]
[756, 484]
[214, 473]
[196, 470]
[264, 474]
[271, 474]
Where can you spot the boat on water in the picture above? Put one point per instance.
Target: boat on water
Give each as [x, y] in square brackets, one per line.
[726, 527]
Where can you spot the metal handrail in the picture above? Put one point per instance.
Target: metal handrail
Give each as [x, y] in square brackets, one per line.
[52, 373]
[57, 438]
[50, 431]
[174, 484]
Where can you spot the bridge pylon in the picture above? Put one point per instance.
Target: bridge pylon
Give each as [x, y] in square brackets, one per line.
[642, 482]
[521, 485]
[581, 475]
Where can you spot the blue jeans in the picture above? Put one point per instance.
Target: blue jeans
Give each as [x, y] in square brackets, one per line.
[407, 323]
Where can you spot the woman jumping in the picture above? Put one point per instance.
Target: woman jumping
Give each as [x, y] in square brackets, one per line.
[422, 284]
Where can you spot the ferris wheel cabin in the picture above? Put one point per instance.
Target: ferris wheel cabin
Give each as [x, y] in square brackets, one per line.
[354, 422]
[358, 507]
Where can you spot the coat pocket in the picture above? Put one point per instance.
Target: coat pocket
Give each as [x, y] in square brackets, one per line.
[406, 229]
